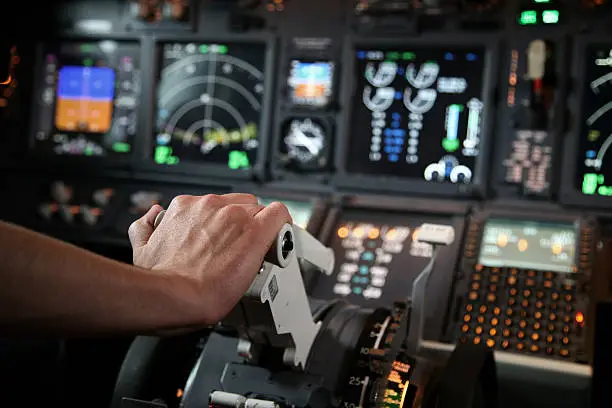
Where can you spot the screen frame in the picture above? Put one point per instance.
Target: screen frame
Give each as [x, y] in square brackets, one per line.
[37, 159]
[568, 193]
[478, 187]
[145, 161]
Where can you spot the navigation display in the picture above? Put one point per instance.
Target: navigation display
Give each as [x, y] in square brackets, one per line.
[594, 167]
[300, 211]
[529, 245]
[417, 112]
[209, 104]
[88, 101]
[377, 258]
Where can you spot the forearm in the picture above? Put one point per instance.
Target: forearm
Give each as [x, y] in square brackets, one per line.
[56, 288]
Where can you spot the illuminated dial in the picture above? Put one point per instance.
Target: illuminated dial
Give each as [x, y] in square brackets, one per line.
[305, 145]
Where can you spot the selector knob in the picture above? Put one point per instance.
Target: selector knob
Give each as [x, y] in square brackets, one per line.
[67, 213]
[103, 196]
[90, 215]
[46, 210]
[61, 192]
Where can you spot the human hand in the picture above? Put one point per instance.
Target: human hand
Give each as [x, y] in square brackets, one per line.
[217, 243]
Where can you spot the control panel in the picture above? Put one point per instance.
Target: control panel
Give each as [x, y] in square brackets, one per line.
[524, 285]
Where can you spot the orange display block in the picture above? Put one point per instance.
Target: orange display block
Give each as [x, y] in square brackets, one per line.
[84, 115]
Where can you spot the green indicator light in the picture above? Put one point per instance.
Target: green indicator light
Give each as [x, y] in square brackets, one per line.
[550, 16]
[173, 160]
[204, 49]
[88, 62]
[408, 56]
[528, 17]
[87, 48]
[541, 1]
[238, 160]
[589, 183]
[88, 151]
[121, 147]
[605, 191]
[393, 56]
[222, 49]
[162, 154]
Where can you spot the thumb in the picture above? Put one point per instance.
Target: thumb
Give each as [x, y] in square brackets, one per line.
[140, 231]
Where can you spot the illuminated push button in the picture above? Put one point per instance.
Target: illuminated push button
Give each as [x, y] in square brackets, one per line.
[566, 329]
[525, 303]
[505, 344]
[342, 289]
[494, 279]
[490, 343]
[469, 307]
[378, 282]
[492, 288]
[535, 348]
[506, 333]
[478, 330]
[483, 309]
[476, 340]
[372, 293]
[565, 340]
[68, 212]
[511, 301]
[513, 292]
[351, 268]
[508, 322]
[548, 275]
[367, 256]
[537, 326]
[476, 277]
[531, 273]
[465, 328]
[579, 319]
[530, 282]
[61, 192]
[520, 334]
[568, 298]
[526, 293]
[478, 268]
[554, 296]
[473, 296]
[514, 272]
[476, 286]
[520, 346]
[103, 196]
[509, 312]
[511, 280]
[467, 318]
[90, 215]
[496, 311]
[564, 353]
[552, 317]
[535, 337]
[522, 324]
[480, 319]
[493, 332]
[539, 304]
[491, 298]
[540, 294]
[548, 284]
[379, 271]
[494, 321]
[551, 327]
[550, 339]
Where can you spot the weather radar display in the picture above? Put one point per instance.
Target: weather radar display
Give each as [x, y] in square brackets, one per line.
[209, 104]
[418, 113]
[594, 170]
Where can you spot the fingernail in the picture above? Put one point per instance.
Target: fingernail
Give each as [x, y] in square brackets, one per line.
[159, 218]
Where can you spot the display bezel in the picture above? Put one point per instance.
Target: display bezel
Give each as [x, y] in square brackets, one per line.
[568, 193]
[343, 178]
[38, 159]
[146, 162]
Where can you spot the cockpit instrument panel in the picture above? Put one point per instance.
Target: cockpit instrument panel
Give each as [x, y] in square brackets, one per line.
[87, 99]
[209, 104]
[594, 161]
[377, 257]
[418, 112]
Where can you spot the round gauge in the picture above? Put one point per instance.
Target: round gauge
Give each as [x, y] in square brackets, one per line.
[305, 145]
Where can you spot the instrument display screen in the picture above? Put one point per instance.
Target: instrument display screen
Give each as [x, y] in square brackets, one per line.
[209, 104]
[311, 83]
[418, 112]
[89, 98]
[529, 245]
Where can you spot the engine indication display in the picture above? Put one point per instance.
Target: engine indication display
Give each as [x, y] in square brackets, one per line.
[594, 167]
[529, 245]
[87, 105]
[377, 258]
[311, 83]
[209, 104]
[417, 113]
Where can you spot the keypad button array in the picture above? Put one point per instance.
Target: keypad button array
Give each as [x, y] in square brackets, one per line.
[524, 311]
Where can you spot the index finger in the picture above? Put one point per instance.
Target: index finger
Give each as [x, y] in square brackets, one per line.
[269, 221]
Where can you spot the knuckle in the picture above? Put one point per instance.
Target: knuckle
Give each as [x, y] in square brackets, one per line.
[180, 202]
[211, 201]
[231, 214]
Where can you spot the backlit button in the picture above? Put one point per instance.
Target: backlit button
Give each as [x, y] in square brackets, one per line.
[476, 340]
[480, 319]
[509, 312]
[537, 326]
[535, 337]
[465, 328]
[473, 295]
[552, 317]
[478, 330]
[520, 334]
[540, 294]
[494, 321]
[505, 344]
[534, 348]
[490, 343]
[467, 318]
[525, 303]
[508, 322]
[565, 341]
[479, 267]
[564, 352]
[568, 308]
[539, 304]
[495, 270]
[566, 329]
[523, 313]
[511, 301]
[476, 277]
[548, 275]
[548, 284]
[551, 327]
[494, 279]
[550, 350]
[496, 311]
[506, 333]
[492, 288]
[553, 306]
[492, 332]
[568, 298]
[531, 274]
[530, 282]
[513, 292]
[554, 296]
[567, 319]
[469, 308]
[491, 297]
[511, 280]
[550, 339]
[514, 271]
[520, 346]
[483, 309]
[526, 293]
[475, 286]
[568, 286]
[522, 324]
[537, 315]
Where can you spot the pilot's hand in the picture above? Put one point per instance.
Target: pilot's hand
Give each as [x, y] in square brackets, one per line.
[217, 242]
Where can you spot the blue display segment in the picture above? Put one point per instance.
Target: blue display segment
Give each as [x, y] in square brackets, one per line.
[313, 71]
[97, 83]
